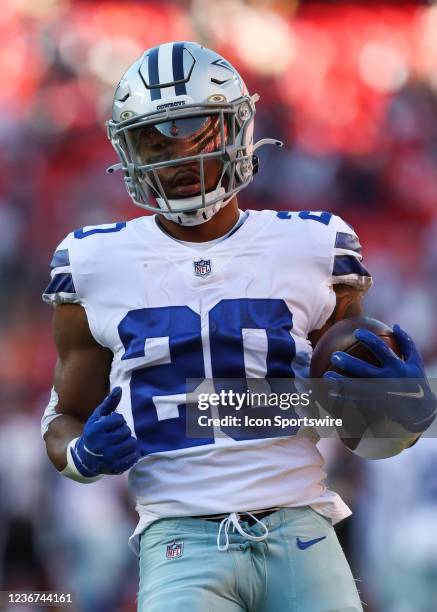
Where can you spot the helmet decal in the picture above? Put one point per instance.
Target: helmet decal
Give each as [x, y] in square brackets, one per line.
[225, 64]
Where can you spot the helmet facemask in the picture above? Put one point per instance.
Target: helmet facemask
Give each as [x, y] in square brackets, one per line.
[211, 144]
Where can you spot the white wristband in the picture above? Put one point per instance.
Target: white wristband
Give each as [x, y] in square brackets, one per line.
[71, 471]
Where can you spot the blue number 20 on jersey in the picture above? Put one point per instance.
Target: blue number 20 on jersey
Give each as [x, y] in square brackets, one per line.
[182, 326]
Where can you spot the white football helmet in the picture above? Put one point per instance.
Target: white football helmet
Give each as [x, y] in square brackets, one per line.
[181, 104]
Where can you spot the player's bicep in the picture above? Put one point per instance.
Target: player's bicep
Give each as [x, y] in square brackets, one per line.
[347, 277]
[81, 377]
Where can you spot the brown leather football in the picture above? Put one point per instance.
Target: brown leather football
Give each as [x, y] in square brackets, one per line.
[340, 337]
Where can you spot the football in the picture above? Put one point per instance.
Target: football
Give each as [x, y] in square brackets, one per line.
[340, 337]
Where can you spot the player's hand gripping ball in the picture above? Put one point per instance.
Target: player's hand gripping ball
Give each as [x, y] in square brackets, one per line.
[363, 348]
[106, 445]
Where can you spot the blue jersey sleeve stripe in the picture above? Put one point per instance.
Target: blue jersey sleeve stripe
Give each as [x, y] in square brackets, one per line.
[347, 264]
[347, 241]
[60, 283]
[60, 259]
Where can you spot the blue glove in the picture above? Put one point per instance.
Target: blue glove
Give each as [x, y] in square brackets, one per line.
[403, 390]
[106, 445]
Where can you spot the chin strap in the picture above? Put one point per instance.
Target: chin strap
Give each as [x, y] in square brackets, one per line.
[201, 215]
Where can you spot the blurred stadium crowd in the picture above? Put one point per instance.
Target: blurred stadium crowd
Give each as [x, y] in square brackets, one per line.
[352, 90]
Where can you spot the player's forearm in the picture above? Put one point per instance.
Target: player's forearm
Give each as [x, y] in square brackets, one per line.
[59, 434]
[102, 445]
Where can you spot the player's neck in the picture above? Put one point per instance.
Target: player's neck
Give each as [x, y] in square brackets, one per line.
[220, 224]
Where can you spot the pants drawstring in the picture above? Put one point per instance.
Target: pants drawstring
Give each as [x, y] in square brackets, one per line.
[234, 520]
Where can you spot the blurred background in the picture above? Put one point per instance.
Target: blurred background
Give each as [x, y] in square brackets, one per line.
[352, 90]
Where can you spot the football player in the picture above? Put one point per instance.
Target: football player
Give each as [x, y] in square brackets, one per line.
[202, 290]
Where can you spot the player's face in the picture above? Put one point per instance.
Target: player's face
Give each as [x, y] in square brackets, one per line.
[184, 137]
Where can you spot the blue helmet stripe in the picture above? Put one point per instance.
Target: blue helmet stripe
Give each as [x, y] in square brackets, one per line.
[178, 68]
[155, 92]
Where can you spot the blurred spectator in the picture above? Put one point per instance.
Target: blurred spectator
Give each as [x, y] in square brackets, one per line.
[399, 560]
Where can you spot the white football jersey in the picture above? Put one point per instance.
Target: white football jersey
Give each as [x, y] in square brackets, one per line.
[240, 307]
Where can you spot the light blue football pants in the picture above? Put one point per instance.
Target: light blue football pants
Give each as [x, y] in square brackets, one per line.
[298, 567]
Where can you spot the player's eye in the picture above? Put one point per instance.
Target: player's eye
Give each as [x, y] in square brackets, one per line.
[158, 146]
[156, 154]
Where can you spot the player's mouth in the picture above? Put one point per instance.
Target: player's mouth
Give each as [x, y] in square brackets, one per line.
[186, 183]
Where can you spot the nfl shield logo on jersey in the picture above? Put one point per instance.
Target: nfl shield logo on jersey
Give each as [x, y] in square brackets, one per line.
[202, 267]
[174, 550]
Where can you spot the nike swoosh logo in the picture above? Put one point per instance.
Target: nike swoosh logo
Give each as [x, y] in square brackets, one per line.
[304, 545]
[417, 394]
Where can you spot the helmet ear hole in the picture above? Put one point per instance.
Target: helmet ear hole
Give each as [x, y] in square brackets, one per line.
[255, 164]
